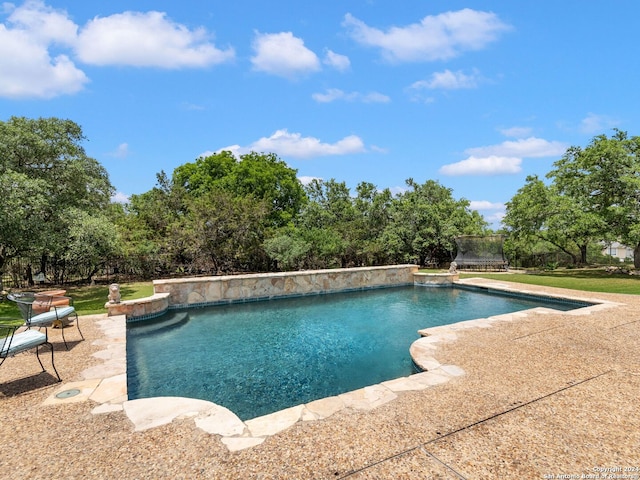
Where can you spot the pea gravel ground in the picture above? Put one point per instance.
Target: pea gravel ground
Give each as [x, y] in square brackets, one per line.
[543, 396]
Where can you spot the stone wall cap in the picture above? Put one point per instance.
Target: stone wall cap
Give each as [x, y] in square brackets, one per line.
[138, 301]
[218, 278]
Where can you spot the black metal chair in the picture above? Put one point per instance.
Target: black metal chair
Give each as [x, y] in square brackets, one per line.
[13, 342]
[57, 310]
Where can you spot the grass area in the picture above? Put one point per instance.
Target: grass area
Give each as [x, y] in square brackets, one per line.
[588, 280]
[87, 300]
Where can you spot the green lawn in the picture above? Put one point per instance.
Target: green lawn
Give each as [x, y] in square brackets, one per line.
[589, 280]
[87, 300]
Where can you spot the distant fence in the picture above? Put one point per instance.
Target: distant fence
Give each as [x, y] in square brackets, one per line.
[21, 273]
[24, 273]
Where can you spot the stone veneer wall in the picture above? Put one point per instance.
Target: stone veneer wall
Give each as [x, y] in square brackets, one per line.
[184, 292]
[140, 308]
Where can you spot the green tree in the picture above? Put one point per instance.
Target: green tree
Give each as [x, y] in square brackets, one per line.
[603, 180]
[223, 232]
[205, 174]
[261, 176]
[288, 249]
[22, 214]
[326, 222]
[424, 222]
[50, 149]
[48, 156]
[92, 242]
[149, 245]
[373, 214]
[538, 212]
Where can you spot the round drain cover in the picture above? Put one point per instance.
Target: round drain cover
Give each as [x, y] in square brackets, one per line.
[68, 393]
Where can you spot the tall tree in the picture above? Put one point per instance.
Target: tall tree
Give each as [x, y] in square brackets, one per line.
[373, 209]
[326, 222]
[205, 174]
[93, 241]
[150, 217]
[258, 175]
[45, 156]
[22, 214]
[424, 222]
[603, 180]
[224, 232]
[538, 212]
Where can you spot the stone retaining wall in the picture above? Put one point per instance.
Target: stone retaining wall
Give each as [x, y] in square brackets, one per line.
[140, 308]
[184, 292]
[198, 291]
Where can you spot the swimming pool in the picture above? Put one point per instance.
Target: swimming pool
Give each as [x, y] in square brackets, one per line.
[260, 357]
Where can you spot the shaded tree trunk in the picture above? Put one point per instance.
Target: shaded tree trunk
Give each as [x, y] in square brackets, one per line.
[43, 262]
[583, 254]
[636, 256]
[29, 276]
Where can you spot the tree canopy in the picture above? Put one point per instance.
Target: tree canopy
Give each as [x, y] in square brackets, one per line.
[221, 214]
[593, 195]
[46, 176]
[260, 176]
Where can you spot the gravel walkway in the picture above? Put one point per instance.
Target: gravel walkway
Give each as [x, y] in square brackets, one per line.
[546, 394]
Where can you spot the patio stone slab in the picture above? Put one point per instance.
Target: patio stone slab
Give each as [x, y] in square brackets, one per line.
[147, 413]
[368, 398]
[85, 387]
[325, 407]
[275, 422]
[235, 444]
[219, 420]
[110, 388]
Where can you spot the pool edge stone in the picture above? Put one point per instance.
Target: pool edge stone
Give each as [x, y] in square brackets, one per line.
[434, 374]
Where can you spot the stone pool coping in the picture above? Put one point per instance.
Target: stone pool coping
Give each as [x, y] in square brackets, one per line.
[106, 382]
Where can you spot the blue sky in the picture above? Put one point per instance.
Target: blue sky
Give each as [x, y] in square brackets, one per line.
[474, 94]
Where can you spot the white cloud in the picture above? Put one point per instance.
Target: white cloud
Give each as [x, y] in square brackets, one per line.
[33, 31]
[43, 23]
[504, 158]
[531, 147]
[337, 61]
[375, 97]
[496, 217]
[147, 40]
[28, 69]
[492, 212]
[419, 98]
[516, 132]
[436, 37]
[448, 80]
[485, 205]
[121, 152]
[120, 197]
[398, 190]
[377, 149]
[306, 180]
[334, 94]
[283, 55]
[594, 124]
[294, 145]
[491, 165]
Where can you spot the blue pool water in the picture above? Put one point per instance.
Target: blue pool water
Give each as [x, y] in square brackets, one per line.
[259, 357]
